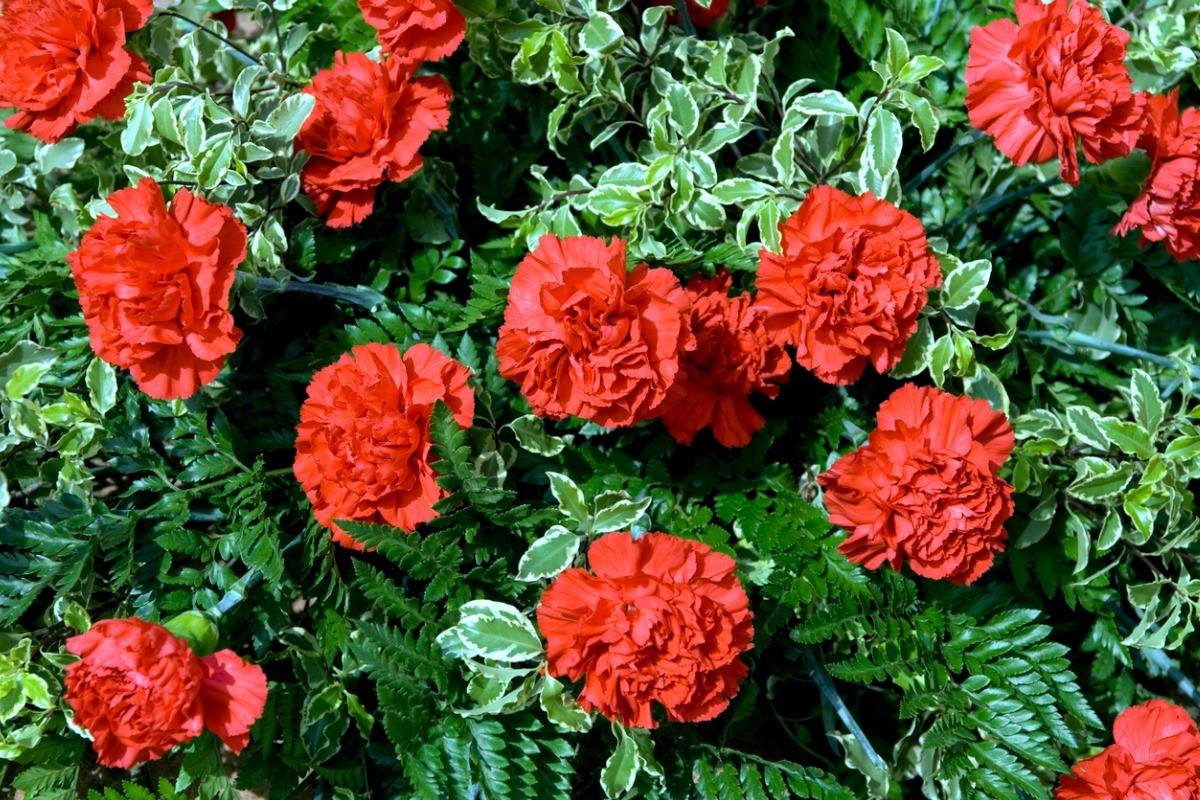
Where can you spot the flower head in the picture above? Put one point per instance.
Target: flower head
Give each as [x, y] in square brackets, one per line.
[416, 30]
[362, 450]
[849, 284]
[658, 620]
[139, 691]
[584, 337]
[1168, 209]
[1054, 79]
[64, 62]
[733, 358]
[367, 127]
[925, 486]
[1155, 755]
[154, 284]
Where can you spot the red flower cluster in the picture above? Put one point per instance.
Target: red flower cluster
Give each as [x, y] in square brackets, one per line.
[416, 30]
[1056, 79]
[1168, 209]
[64, 62]
[139, 690]
[154, 285]
[733, 357]
[703, 17]
[362, 450]
[925, 486]
[662, 619]
[584, 337]
[849, 284]
[367, 127]
[1155, 756]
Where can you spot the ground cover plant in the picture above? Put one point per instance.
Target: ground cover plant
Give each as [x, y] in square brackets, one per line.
[599, 398]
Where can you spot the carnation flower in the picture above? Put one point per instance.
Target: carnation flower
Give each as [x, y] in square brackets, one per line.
[64, 62]
[734, 357]
[154, 286]
[849, 284]
[139, 691]
[1055, 79]
[1155, 756]
[925, 486]
[367, 126]
[416, 30]
[1168, 209]
[362, 450]
[662, 619]
[584, 337]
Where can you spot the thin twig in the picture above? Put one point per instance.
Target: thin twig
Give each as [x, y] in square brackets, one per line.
[359, 296]
[169, 13]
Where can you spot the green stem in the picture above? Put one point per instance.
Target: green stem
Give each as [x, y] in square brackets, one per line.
[830, 693]
[239, 53]
[1077, 339]
[992, 203]
[685, 18]
[359, 296]
[924, 175]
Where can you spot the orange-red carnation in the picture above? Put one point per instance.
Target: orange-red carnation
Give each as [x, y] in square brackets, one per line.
[154, 284]
[416, 30]
[585, 337]
[849, 284]
[1055, 78]
[362, 450]
[1168, 209]
[733, 357]
[64, 62]
[139, 691]
[662, 619]
[925, 486]
[367, 126]
[1155, 756]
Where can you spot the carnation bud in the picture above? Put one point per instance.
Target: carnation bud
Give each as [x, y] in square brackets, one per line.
[196, 629]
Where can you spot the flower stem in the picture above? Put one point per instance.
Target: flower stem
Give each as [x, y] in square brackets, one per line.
[238, 52]
[829, 692]
[358, 295]
[685, 18]
[1077, 339]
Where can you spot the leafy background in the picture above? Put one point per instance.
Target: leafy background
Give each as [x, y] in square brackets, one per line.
[605, 118]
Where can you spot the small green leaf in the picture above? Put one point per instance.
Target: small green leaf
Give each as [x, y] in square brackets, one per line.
[549, 555]
[918, 68]
[569, 497]
[1131, 438]
[530, 431]
[562, 711]
[964, 281]
[685, 114]
[616, 511]
[1148, 409]
[621, 769]
[826, 102]
[917, 352]
[600, 35]
[498, 631]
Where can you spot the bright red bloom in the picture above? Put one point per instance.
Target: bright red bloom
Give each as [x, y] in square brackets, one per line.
[416, 30]
[139, 691]
[734, 357]
[64, 62]
[925, 486]
[584, 337]
[367, 127]
[849, 284]
[362, 452]
[154, 284]
[663, 620]
[1055, 79]
[1155, 756]
[1168, 209]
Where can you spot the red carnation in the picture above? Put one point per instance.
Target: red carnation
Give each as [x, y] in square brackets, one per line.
[849, 284]
[362, 452]
[584, 337]
[925, 486]
[367, 126]
[1155, 756]
[154, 285]
[416, 30]
[64, 62]
[1056, 78]
[734, 357]
[662, 619]
[139, 691]
[1168, 209]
